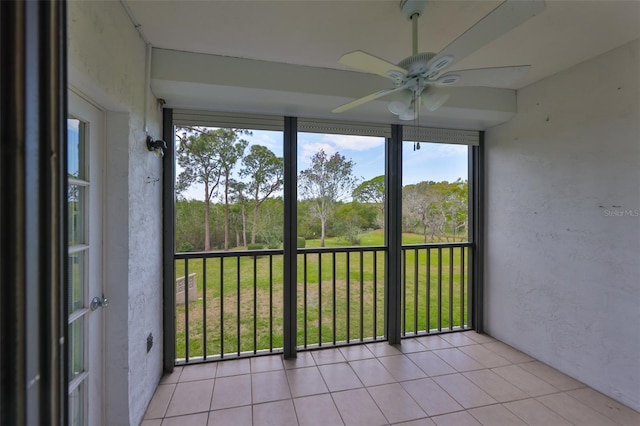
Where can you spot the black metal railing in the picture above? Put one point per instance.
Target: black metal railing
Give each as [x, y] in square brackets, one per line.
[230, 304]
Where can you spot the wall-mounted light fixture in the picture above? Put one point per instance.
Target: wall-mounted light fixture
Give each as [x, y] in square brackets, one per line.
[158, 146]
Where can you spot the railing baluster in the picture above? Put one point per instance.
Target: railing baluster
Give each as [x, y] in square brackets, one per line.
[450, 288]
[439, 288]
[270, 303]
[415, 291]
[462, 325]
[333, 275]
[375, 295]
[361, 296]
[348, 296]
[238, 302]
[255, 304]
[222, 307]
[186, 310]
[304, 274]
[204, 308]
[428, 325]
[403, 293]
[319, 299]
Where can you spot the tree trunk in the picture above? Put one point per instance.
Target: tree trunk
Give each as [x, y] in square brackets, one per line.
[244, 227]
[226, 211]
[254, 225]
[207, 240]
[237, 237]
[322, 226]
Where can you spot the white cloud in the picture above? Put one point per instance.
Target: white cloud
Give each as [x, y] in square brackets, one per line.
[353, 143]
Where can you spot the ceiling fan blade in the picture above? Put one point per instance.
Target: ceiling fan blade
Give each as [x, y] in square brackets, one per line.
[366, 99]
[508, 15]
[434, 98]
[500, 77]
[372, 64]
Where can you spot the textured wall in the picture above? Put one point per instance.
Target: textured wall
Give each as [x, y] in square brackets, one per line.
[563, 226]
[107, 63]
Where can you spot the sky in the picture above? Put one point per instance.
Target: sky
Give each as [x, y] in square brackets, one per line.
[436, 162]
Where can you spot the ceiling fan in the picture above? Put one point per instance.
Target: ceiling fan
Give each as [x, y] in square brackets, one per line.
[420, 80]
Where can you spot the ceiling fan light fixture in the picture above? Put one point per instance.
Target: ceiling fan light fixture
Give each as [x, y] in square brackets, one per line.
[398, 107]
[408, 115]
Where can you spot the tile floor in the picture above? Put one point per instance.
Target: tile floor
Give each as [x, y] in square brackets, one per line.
[452, 379]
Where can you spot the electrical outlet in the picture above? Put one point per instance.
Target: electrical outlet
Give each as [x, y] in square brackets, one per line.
[149, 342]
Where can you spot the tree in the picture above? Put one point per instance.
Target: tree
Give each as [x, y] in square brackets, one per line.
[372, 191]
[238, 196]
[328, 180]
[266, 173]
[207, 157]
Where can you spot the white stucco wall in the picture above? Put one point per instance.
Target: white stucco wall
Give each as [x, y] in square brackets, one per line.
[562, 268]
[107, 64]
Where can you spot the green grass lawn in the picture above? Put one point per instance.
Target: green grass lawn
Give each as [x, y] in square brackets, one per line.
[238, 311]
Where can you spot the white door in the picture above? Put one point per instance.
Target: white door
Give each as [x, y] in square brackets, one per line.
[85, 158]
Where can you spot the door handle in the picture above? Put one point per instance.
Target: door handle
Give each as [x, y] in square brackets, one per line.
[99, 302]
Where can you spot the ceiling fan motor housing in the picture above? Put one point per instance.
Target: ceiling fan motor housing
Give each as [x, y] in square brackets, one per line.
[416, 64]
[412, 7]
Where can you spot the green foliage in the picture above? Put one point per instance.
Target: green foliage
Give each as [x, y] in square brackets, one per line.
[255, 246]
[300, 242]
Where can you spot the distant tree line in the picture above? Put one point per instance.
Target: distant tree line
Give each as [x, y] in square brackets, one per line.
[332, 201]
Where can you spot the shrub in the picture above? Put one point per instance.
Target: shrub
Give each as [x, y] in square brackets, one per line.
[301, 243]
[255, 246]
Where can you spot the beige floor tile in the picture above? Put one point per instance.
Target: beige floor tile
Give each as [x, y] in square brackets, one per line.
[420, 422]
[328, 356]
[238, 416]
[158, 406]
[371, 372]
[607, 406]
[431, 397]
[458, 359]
[278, 413]
[457, 339]
[190, 398]
[171, 377]
[551, 376]
[199, 419]
[269, 386]
[306, 381]
[317, 410]
[266, 363]
[302, 359]
[433, 342]
[356, 407]
[151, 422]
[534, 413]
[396, 404]
[499, 389]
[401, 367]
[574, 411]
[339, 377]
[356, 352]
[484, 356]
[199, 372]
[408, 346]
[461, 418]
[233, 391]
[233, 367]
[508, 352]
[479, 338]
[431, 364]
[524, 380]
[496, 415]
[464, 391]
[381, 349]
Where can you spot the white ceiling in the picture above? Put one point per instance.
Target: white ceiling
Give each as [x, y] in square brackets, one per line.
[283, 43]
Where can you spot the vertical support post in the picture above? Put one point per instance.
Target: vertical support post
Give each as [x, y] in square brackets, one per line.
[476, 231]
[393, 234]
[168, 243]
[33, 227]
[290, 235]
